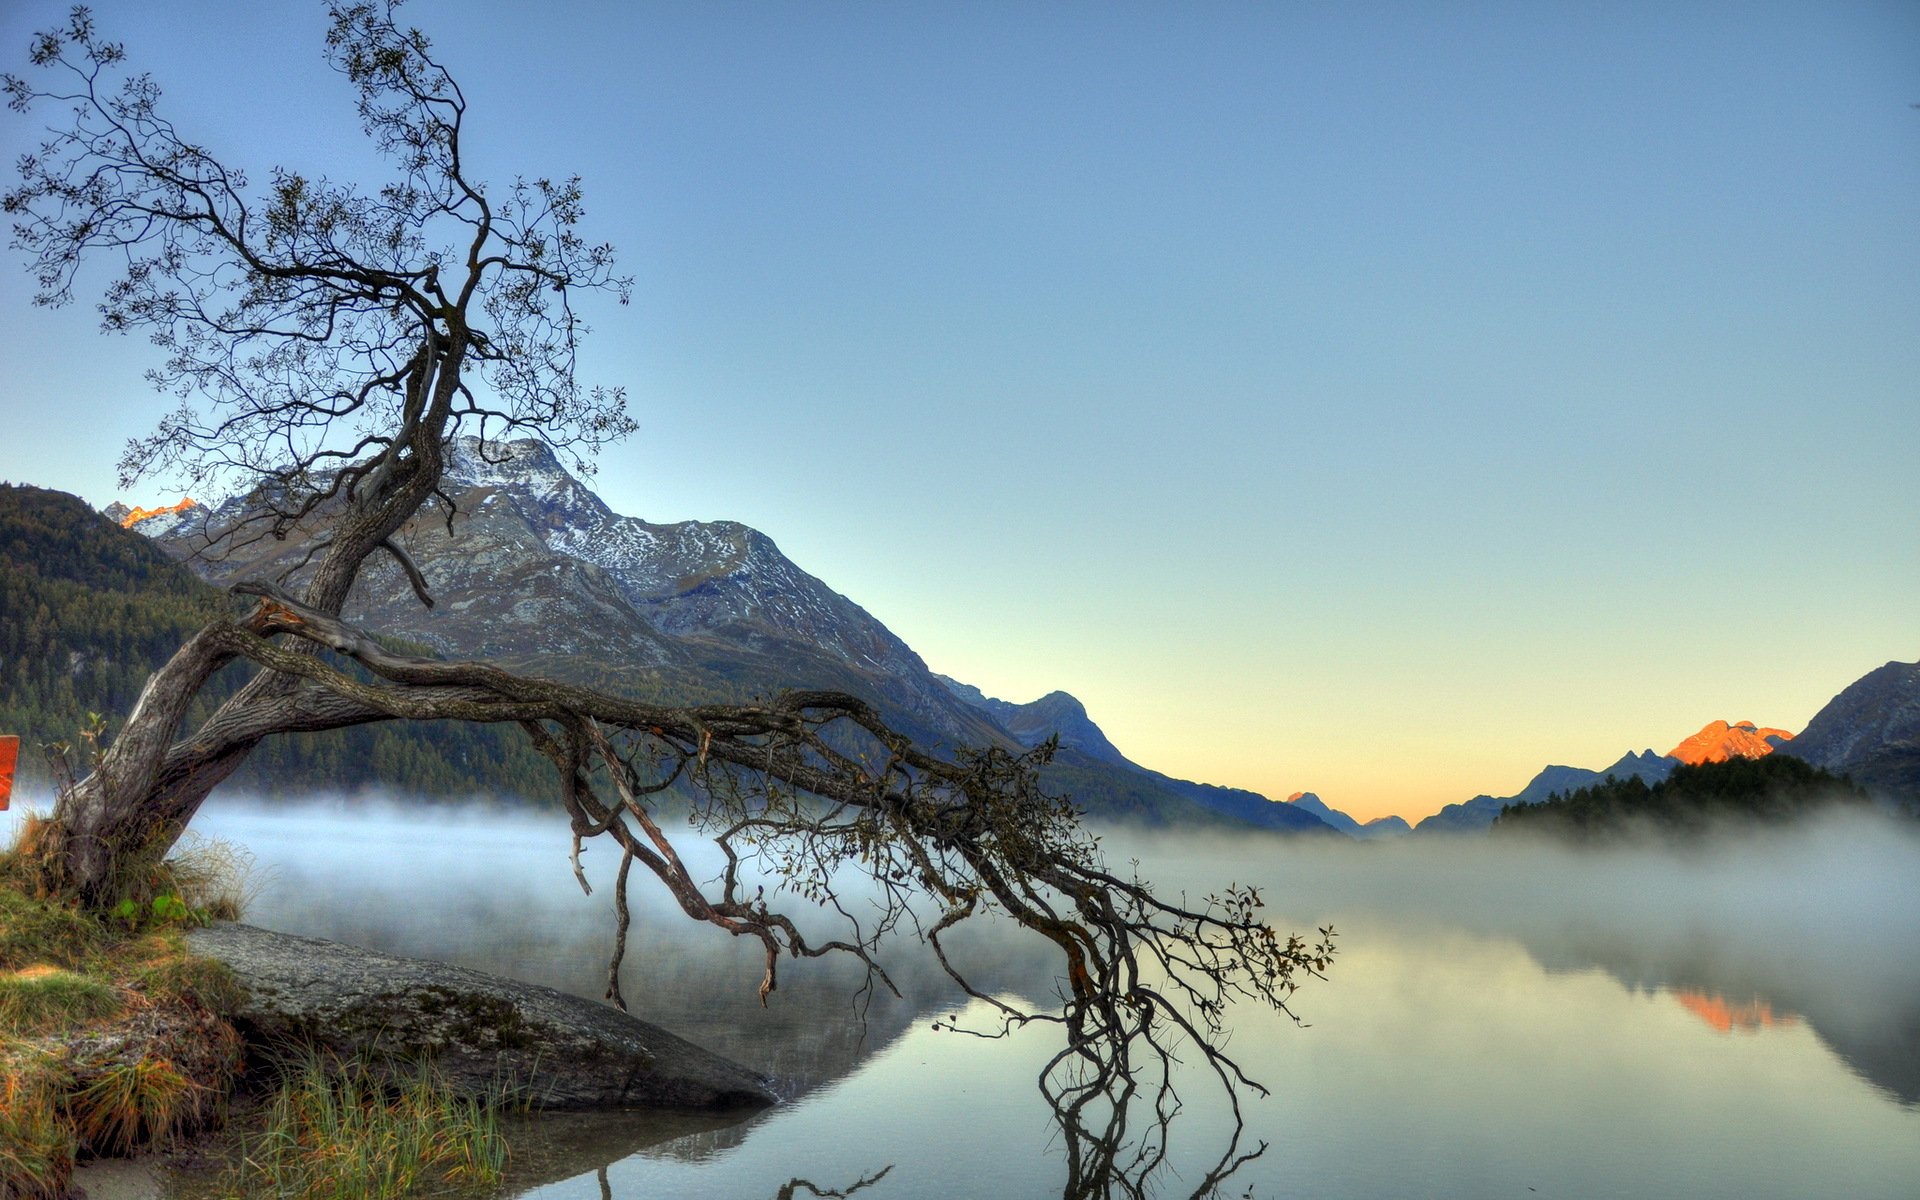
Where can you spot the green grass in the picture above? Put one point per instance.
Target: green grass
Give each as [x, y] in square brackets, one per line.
[36, 931]
[110, 1042]
[86, 1068]
[37, 1144]
[347, 1131]
[43, 999]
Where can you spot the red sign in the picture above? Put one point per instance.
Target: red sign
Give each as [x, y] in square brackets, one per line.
[9, 755]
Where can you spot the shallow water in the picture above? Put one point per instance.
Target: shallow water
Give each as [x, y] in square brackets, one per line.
[1501, 1020]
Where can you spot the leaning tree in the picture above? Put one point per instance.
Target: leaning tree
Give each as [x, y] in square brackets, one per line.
[325, 343]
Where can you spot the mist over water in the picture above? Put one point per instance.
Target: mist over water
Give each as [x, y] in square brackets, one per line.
[1816, 919]
[1819, 919]
[1737, 1017]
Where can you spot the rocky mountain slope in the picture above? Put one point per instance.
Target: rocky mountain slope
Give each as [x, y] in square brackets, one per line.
[535, 571]
[88, 610]
[1718, 741]
[1083, 745]
[1871, 732]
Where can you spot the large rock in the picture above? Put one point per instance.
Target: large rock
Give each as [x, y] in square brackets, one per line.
[566, 1052]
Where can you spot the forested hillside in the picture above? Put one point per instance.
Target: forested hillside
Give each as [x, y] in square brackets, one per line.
[88, 610]
[1689, 801]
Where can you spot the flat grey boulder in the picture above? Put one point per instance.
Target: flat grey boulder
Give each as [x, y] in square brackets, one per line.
[481, 1030]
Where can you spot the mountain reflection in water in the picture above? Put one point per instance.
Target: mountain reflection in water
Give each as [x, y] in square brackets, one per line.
[1727, 1016]
[1501, 1017]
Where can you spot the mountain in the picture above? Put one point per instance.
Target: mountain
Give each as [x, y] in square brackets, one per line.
[166, 514]
[1379, 827]
[536, 572]
[1693, 800]
[1870, 732]
[1082, 742]
[1332, 816]
[89, 609]
[1055, 713]
[1242, 807]
[1718, 741]
[1477, 815]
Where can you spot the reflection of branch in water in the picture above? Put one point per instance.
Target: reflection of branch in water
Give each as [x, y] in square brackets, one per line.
[1096, 1091]
[794, 1185]
[1167, 993]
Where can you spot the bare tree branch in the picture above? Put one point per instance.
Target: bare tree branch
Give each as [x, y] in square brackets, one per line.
[324, 344]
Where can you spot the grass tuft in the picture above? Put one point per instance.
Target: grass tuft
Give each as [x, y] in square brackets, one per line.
[111, 1039]
[40, 999]
[138, 1105]
[35, 931]
[214, 877]
[199, 980]
[37, 1145]
[343, 1131]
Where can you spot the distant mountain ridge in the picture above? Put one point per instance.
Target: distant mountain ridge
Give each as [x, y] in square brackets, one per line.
[1061, 714]
[1379, 827]
[1037, 720]
[1477, 815]
[127, 518]
[540, 574]
[1716, 741]
[539, 570]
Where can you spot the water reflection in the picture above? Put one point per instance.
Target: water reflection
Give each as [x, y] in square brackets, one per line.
[547, 1151]
[1875, 1033]
[792, 1187]
[1727, 1016]
[1815, 920]
[1501, 1019]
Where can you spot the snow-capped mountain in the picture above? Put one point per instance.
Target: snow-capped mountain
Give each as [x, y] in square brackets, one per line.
[537, 572]
[691, 578]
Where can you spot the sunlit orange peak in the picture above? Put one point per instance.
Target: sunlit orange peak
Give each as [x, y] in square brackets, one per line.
[1727, 1016]
[140, 514]
[1719, 741]
[1295, 796]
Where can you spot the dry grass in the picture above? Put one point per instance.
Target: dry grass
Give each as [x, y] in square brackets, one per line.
[37, 1145]
[342, 1131]
[111, 1043]
[110, 1038]
[216, 878]
[137, 1105]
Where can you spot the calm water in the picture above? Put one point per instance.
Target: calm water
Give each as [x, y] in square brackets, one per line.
[1743, 1022]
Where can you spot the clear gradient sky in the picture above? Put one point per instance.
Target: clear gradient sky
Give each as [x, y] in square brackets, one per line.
[1380, 400]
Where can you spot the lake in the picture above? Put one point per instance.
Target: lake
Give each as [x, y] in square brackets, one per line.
[1740, 1020]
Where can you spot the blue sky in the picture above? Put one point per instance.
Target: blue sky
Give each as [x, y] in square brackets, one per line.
[1379, 400]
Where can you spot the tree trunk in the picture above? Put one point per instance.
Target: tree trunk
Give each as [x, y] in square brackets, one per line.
[119, 821]
[106, 824]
